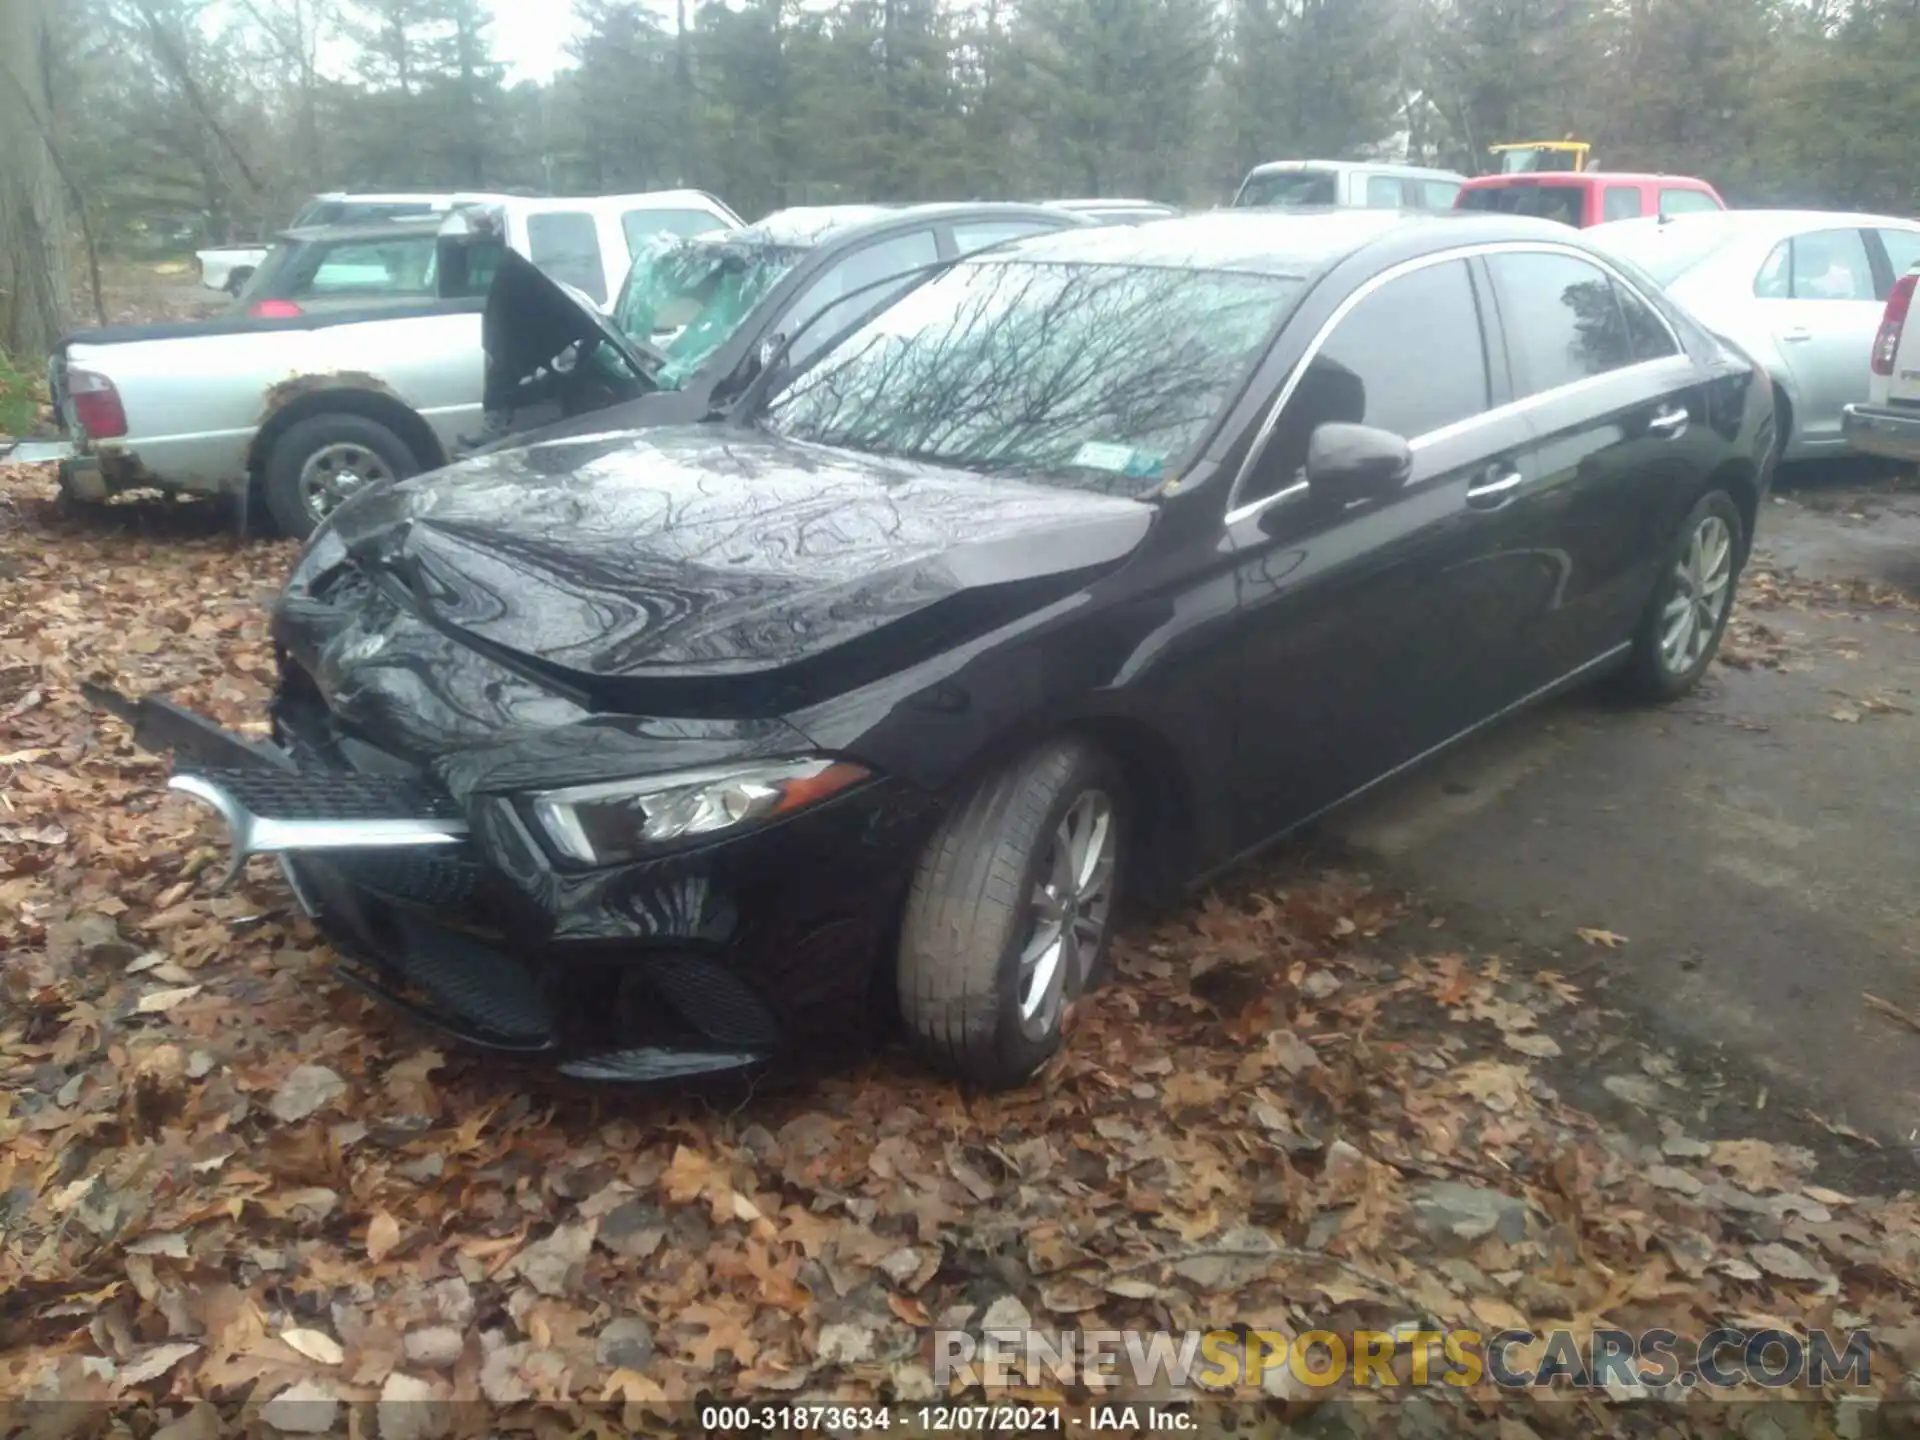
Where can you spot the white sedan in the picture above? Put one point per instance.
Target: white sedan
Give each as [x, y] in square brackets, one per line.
[1802, 291]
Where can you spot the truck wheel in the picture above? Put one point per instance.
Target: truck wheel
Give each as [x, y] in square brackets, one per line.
[1011, 912]
[325, 460]
[237, 281]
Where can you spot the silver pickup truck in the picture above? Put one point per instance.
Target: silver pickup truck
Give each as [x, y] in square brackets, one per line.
[294, 412]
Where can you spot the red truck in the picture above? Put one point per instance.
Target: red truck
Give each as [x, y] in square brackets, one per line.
[1588, 197]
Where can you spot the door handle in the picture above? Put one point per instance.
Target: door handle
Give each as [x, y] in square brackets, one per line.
[1669, 423]
[1796, 334]
[1502, 484]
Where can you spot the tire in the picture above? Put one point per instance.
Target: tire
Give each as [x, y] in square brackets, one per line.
[1660, 671]
[237, 281]
[968, 942]
[348, 452]
[1782, 428]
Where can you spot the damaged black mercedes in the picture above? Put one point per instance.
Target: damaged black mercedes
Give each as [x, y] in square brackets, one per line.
[1088, 566]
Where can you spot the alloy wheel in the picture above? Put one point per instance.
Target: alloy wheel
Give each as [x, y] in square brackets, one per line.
[1702, 590]
[1071, 904]
[335, 473]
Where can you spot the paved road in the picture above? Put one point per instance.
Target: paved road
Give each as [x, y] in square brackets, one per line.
[1760, 855]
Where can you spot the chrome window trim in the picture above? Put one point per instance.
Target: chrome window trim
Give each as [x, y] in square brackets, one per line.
[1237, 513]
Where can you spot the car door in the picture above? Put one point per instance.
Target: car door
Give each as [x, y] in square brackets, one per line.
[1370, 634]
[1821, 301]
[1618, 428]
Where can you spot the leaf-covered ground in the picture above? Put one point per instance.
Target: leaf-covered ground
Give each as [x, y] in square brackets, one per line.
[225, 1177]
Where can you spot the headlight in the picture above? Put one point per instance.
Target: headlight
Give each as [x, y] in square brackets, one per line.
[623, 819]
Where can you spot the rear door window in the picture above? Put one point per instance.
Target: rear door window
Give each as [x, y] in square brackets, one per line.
[566, 244]
[1824, 265]
[1384, 193]
[1562, 318]
[1621, 202]
[1439, 194]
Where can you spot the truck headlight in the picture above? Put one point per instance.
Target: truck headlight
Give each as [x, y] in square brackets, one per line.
[618, 820]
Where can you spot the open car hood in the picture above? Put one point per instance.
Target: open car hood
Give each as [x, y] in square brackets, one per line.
[531, 320]
[690, 569]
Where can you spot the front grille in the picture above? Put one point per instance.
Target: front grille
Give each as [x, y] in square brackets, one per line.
[332, 795]
[432, 881]
[710, 999]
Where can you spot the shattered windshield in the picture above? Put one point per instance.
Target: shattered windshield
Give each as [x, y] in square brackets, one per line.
[1095, 377]
[685, 298]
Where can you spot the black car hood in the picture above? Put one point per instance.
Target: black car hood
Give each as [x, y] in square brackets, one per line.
[702, 553]
[530, 320]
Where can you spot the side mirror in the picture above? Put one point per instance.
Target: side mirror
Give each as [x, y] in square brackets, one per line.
[1350, 463]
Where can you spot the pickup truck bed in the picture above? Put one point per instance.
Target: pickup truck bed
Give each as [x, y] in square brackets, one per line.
[204, 407]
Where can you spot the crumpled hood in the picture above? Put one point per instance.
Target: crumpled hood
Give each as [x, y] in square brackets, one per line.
[709, 551]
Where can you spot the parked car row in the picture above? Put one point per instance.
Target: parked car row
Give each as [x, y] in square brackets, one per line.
[366, 353]
[990, 590]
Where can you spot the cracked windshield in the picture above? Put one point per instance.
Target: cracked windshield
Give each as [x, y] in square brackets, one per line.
[685, 298]
[900, 718]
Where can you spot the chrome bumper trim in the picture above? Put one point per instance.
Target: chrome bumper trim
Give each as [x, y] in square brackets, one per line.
[251, 834]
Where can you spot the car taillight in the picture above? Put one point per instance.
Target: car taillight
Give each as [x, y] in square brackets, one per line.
[274, 310]
[96, 405]
[1886, 344]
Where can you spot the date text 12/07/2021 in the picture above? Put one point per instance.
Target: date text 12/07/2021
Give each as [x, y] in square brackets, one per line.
[975, 1419]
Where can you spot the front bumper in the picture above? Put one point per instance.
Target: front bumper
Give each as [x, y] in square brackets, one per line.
[1871, 430]
[698, 962]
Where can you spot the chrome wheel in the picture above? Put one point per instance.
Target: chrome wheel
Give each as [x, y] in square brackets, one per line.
[1070, 906]
[1702, 589]
[335, 473]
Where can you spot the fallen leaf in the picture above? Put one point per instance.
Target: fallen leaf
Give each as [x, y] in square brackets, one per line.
[1541, 1047]
[383, 1236]
[316, 1345]
[161, 1001]
[1600, 937]
[307, 1089]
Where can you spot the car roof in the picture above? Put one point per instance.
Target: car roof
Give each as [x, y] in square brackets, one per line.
[404, 228]
[1572, 178]
[1300, 243]
[1757, 222]
[1374, 167]
[804, 227]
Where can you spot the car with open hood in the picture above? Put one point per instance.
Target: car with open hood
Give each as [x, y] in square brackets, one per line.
[1093, 563]
[695, 313]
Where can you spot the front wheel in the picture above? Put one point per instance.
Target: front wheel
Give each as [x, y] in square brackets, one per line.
[1681, 632]
[1011, 913]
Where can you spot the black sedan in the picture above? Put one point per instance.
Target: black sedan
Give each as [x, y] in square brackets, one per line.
[1091, 565]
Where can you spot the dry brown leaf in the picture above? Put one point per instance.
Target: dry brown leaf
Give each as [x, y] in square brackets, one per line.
[1600, 937]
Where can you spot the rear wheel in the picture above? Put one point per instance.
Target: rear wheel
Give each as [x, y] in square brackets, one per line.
[237, 281]
[1011, 913]
[325, 460]
[1683, 625]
